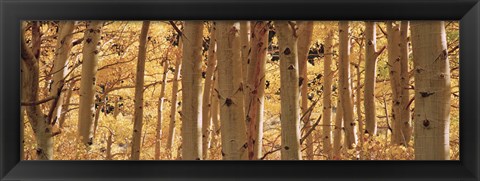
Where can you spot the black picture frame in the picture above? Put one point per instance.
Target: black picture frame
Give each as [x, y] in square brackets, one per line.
[13, 11]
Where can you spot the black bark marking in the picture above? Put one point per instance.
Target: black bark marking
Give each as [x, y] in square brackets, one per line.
[286, 147]
[300, 81]
[287, 51]
[426, 94]
[39, 151]
[228, 102]
[88, 40]
[291, 67]
[426, 123]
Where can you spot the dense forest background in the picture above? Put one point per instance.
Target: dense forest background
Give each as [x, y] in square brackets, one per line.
[155, 90]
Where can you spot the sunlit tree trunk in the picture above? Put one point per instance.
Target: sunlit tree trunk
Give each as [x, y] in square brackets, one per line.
[232, 114]
[173, 108]
[289, 93]
[344, 84]
[432, 90]
[256, 88]
[327, 96]
[192, 91]
[40, 124]
[60, 64]
[139, 81]
[87, 83]
[371, 56]
[245, 49]
[395, 82]
[337, 132]
[215, 115]
[158, 132]
[66, 103]
[304, 41]
[206, 105]
[405, 82]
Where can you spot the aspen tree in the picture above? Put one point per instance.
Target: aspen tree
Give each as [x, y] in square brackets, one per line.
[405, 84]
[139, 81]
[206, 105]
[305, 30]
[256, 88]
[161, 99]
[432, 90]
[245, 49]
[215, 115]
[60, 69]
[289, 93]
[87, 83]
[41, 126]
[371, 56]
[173, 108]
[192, 91]
[232, 114]
[327, 96]
[337, 132]
[395, 82]
[344, 84]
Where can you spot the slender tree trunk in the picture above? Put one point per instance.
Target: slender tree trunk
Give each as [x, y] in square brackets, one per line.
[405, 82]
[304, 41]
[161, 99]
[138, 104]
[432, 90]
[60, 64]
[371, 56]
[40, 125]
[327, 96]
[232, 114]
[345, 88]
[206, 105]
[66, 104]
[395, 82]
[173, 108]
[245, 49]
[215, 115]
[87, 83]
[192, 91]
[256, 88]
[337, 133]
[358, 102]
[290, 120]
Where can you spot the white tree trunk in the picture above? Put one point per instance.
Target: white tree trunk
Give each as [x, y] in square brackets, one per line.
[395, 82]
[289, 93]
[337, 132]
[232, 115]
[173, 108]
[206, 105]
[305, 31]
[192, 91]
[161, 99]
[138, 112]
[256, 88]
[327, 96]
[371, 55]
[30, 90]
[405, 84]
[432, 90]
[344, 82]
[60, 64]
[87, 83]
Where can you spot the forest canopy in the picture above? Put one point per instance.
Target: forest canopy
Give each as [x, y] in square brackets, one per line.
[240, 90]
